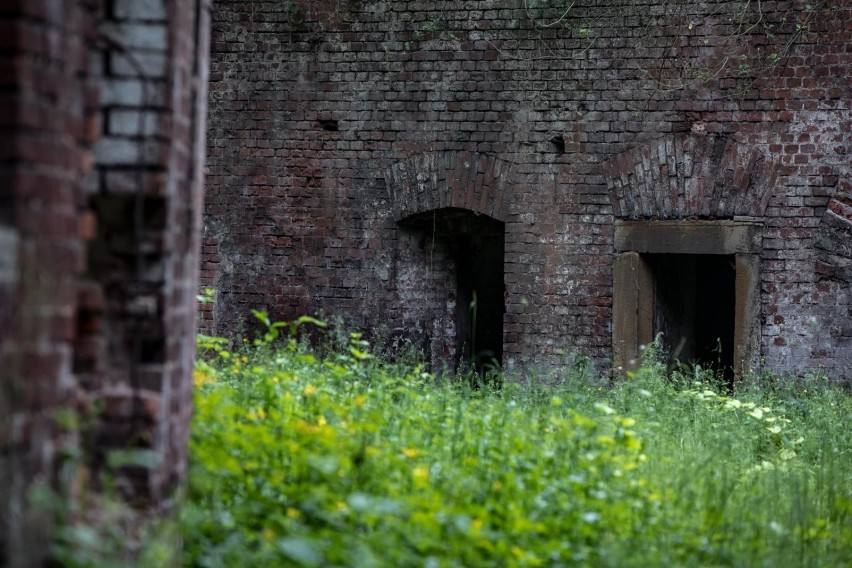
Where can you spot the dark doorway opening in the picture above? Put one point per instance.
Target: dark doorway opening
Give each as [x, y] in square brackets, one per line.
[695, 308]
[476, 244]
[479, 293]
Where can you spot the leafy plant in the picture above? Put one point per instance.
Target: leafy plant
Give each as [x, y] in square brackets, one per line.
[336, 457]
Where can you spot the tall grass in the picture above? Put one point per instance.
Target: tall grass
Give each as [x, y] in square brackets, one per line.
[339, 459]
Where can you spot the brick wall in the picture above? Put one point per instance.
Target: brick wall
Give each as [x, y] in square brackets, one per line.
[101, 154]
[147, 183]
[327, 120]
[47, 115]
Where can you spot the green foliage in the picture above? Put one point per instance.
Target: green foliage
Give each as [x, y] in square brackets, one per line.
[343, 459]
[93, 525]
[207, 295]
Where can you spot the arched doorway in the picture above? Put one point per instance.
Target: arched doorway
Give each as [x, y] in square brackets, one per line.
[474, 244]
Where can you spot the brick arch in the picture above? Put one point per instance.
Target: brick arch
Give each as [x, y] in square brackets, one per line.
[690, 176]
[840, 206]
[434, 180]
[833, 243]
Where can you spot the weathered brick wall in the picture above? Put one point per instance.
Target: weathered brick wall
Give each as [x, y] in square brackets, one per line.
[328, 119]
[48, 127]
[147, 184]
[103, 106]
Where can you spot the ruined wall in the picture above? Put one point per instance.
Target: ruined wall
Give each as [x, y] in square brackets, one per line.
[47, 131]
[103, 107]
[331, 121]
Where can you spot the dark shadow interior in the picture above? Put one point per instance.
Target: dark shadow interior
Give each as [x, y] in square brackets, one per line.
[476, 243]
[694, 308]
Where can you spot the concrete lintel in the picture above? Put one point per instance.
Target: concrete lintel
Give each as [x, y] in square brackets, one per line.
[687, 237]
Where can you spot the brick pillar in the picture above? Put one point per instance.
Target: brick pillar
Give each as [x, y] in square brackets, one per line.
[144, 259]
[45, 104]
[102, 111]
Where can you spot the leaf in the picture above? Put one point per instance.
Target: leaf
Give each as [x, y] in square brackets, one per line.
[358, 354]
[312, 321]
[262, 316]
[757, 413]
[129, 458]
[301, 550]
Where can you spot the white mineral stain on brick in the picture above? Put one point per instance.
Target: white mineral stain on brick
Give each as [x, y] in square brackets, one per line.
[141, 9]
[138, 35]
[131, 123]
[131, 92]
[151, 64]
[8, 256]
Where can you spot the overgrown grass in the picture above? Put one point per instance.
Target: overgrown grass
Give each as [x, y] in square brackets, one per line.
[344, 460]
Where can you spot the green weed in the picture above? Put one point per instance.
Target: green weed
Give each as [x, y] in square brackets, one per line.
[335, 457]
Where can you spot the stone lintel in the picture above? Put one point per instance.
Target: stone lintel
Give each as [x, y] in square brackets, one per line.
[688, 237]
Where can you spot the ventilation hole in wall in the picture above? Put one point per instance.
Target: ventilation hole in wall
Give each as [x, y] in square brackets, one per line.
[329, 125]
[557, 145]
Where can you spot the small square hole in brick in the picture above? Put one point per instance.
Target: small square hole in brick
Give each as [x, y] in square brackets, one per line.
[557, 145]
[329, 125]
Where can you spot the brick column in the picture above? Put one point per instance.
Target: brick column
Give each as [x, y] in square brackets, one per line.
[46, 132]
[153, 87]
[101, 152]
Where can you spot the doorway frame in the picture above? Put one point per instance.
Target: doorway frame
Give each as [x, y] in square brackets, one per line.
[634, 297]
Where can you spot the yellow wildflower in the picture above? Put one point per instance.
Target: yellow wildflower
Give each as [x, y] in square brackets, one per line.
[256, 414]
[310, 390]
[410, 452]
[200, 378]
[293, 513]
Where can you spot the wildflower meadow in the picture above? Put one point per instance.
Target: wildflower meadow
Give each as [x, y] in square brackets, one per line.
[332, 456]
